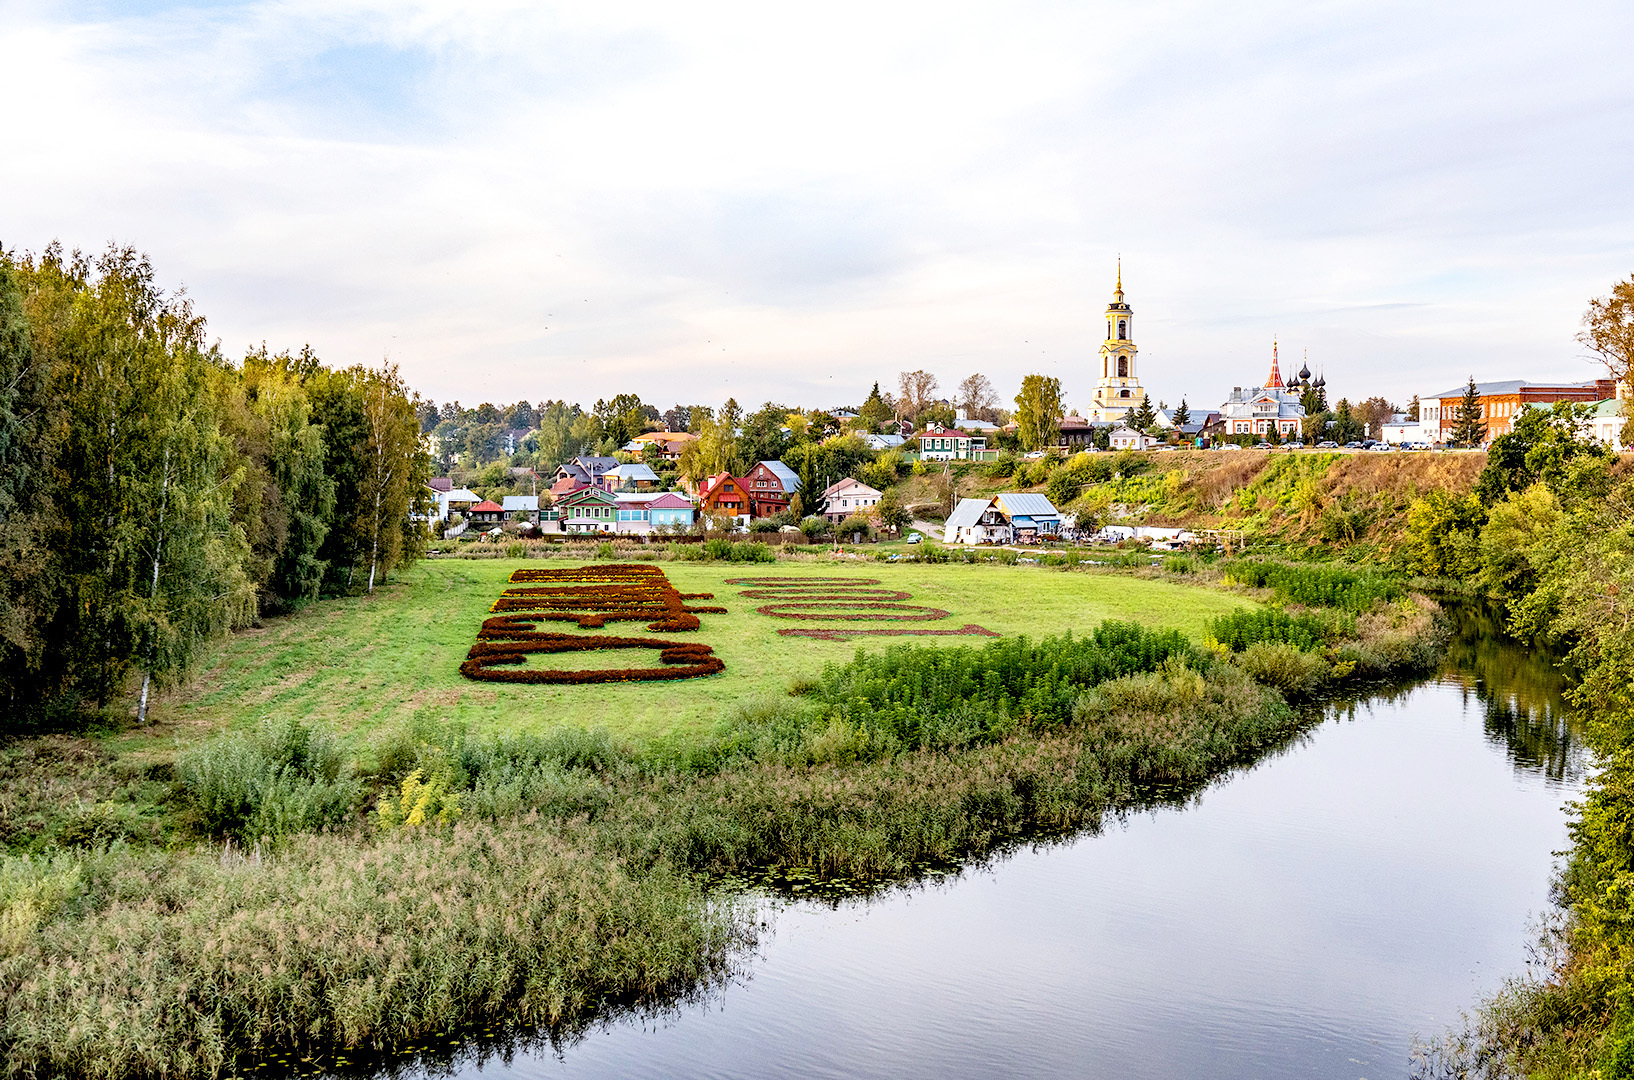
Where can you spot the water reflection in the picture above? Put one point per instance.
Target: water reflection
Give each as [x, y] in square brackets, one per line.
[1520, 687]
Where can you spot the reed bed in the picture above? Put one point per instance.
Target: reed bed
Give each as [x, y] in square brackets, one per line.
[571, 872]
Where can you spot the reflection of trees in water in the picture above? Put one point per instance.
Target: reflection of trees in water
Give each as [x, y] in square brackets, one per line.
[1520, 687]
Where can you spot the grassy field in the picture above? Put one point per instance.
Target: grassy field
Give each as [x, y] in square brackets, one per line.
[364, 664]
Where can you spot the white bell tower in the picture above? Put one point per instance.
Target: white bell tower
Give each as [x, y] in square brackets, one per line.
[1118, 391]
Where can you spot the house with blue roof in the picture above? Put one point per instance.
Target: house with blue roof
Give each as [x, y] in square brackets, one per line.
[1032, 516]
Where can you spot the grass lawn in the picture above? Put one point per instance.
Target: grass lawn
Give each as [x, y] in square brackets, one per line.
[360, 665]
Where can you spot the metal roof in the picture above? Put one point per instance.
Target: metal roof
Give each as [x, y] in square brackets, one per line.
[521, 502]
[637, 471]
[785, 475]
[1026, 502]
[968, 513]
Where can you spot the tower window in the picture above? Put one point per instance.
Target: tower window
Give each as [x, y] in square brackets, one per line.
[1123, 393]
[1123, 367]
[1123, 329]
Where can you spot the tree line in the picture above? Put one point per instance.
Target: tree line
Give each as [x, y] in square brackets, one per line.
[155, 494]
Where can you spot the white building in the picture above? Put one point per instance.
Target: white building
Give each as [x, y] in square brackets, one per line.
[977, 521]
[1118, 390]
[1260, 410]
[847, 497]
[1607, 421]
[1401, 430]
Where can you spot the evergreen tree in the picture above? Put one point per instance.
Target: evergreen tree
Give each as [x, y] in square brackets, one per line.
[1346, 428]
[1144, 417]
[876, 410]
[1469, 428]
[1182, 415]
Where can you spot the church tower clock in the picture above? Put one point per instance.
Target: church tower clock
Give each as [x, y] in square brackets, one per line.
[1118, 392]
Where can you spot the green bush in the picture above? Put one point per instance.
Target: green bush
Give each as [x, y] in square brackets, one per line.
[914, 696]
[1244, 627]
[1283, 667]
[284, 778]
[1316, 586]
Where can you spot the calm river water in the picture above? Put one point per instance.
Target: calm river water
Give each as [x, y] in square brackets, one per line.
[1302, 918]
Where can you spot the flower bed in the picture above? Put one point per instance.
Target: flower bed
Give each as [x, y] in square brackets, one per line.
[844, 599]
[590, 596]
[848, 610]
[838, 634]
[682, 659]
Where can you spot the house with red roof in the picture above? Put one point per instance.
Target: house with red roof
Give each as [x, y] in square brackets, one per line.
[724, 494]
[938, 443]
[487, 512]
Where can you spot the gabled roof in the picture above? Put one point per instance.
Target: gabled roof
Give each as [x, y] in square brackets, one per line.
[440, 483]
[521, 502]
[592, 463]
[1026, 502]
[714, 483]
[637, 471]
[945, 433]
[968, 513]
[486, 506]
[461, 495]
[785, 475]
[848, 482]
[584, 495]
[670, 501]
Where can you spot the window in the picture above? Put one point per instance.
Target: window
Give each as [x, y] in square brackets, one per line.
[1123, 393]
[1123, 329]
[1123, 367]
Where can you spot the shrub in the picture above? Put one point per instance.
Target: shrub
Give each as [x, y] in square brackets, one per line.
[284, 778]
[1317, 586]
[1244, 628]
[1283, 667]
[943, 697]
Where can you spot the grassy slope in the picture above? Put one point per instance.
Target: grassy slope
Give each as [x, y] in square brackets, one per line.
[1272, 495]
[368, 663]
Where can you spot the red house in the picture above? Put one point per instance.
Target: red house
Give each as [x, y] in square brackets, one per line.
[769, 487]
[723, 494]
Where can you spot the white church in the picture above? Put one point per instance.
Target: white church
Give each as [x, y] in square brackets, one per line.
[1118, 391]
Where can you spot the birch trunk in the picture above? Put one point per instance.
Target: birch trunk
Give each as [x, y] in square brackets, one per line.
[153, 585]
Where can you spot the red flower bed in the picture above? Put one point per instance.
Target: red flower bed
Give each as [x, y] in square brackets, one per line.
[590, 596]
[594, 595]
[802, 582]
[872, 612]
[837, 634]
[682, 659]
[826, 594]
[844, 599]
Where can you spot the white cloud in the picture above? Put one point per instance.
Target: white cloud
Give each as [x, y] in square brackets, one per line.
[690, 201]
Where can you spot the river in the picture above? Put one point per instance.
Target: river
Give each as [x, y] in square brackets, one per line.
[1305, 917]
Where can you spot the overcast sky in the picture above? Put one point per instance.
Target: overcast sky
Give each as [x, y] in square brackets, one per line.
[775, 201]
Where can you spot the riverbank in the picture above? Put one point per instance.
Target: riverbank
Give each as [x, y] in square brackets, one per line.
[562, 872]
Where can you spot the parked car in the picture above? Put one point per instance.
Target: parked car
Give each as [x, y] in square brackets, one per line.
[1327, 444]
[1262, 446]
[1353, 445]
[914, 538]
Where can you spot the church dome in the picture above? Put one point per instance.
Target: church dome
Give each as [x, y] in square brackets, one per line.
[1304, 373]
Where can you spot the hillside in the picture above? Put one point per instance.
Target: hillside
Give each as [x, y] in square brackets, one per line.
[1348, 500]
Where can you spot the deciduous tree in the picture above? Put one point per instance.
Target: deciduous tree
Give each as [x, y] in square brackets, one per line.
[1608, 330]
[1038, 412]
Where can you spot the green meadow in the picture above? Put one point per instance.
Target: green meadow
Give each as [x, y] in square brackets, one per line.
[364, 664]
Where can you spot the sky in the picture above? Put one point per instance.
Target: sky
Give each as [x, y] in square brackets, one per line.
[788, 202]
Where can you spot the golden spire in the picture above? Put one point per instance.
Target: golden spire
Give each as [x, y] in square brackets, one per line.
[1120, 273]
